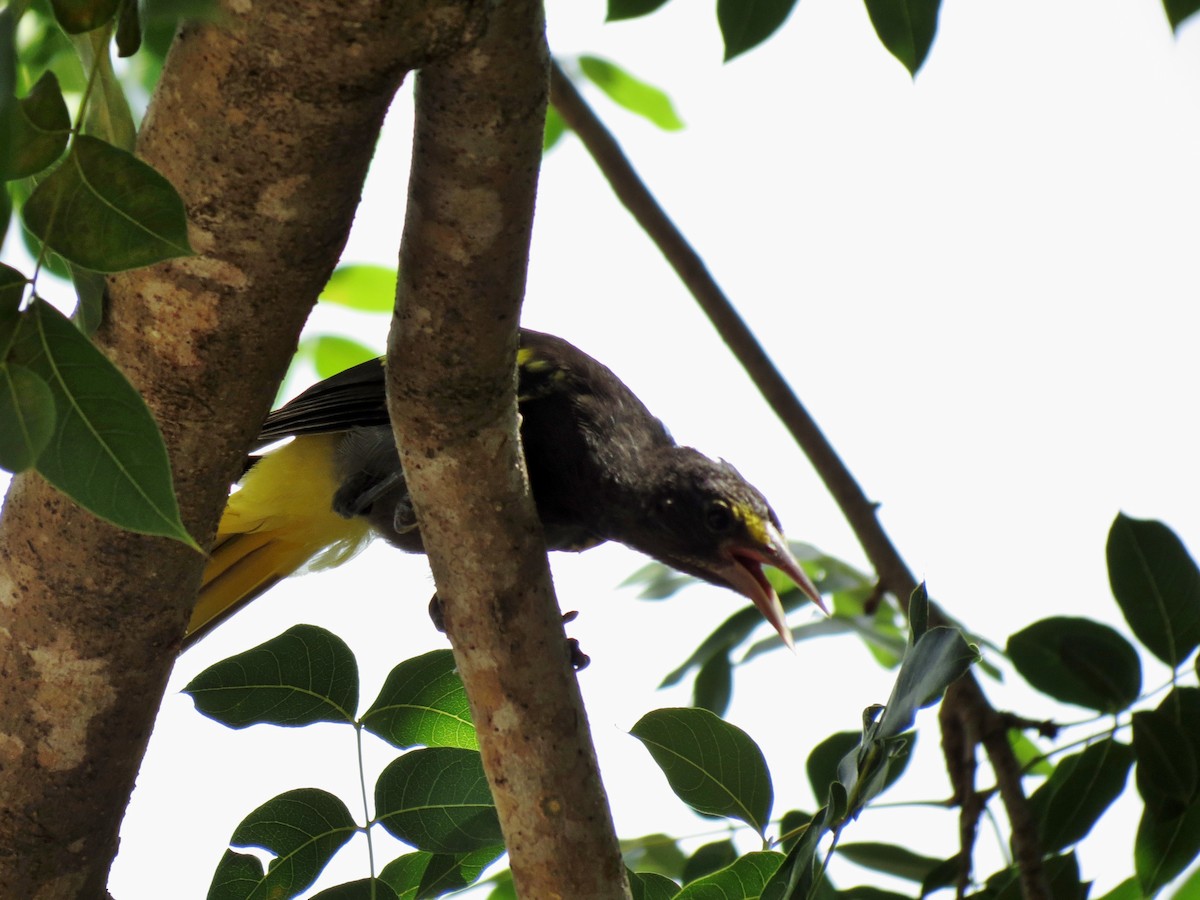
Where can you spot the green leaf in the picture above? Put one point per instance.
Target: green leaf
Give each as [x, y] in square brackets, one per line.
[1030, 756]
[36, 129]
[944, 875]
[743, 880]
[652, 886]
[631, 9]
[107, 116]
[1062, 877]
[747, 23]
[1126, 890]
[302, 829]
[1082, 787]
[90, 288]
[825, 758]
[129, 29]
[363, 889]
[1167, 771]
[938, 658]
[106, 452]
[906, 28]
[712, 766]
[797, 875]
[362, 287]
[728, 635]
[890, 859]
[304, 675]
[708, 859]
[423, 702]
[1078, 661]
[556, 127]
[12, 289]
[1163, 848]
[654, 853]
[77, 16]
[918, 613]
[714, 685]
[1179, 10]
[1189, 890]
[1157, 586]
[26, 417]
[105, 210]
[447, 873]
[331, 353]
[634, 95]
[8, 50]
[438, 800]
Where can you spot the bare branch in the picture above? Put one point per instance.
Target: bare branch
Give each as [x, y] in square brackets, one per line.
[451, 365]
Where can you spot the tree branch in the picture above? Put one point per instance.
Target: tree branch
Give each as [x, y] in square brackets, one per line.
[894, 573]
[265, 125]
[451, 380]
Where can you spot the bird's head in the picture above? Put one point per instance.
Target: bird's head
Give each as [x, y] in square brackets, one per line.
[702, 517]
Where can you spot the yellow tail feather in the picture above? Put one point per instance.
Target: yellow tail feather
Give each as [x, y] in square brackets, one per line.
[279, 521]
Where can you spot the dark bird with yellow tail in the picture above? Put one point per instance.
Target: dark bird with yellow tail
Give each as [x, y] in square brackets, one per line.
[601, 468]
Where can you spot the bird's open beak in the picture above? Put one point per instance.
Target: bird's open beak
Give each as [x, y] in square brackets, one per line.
[746, 577]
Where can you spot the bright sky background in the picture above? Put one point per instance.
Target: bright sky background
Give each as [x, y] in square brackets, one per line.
[984, 285]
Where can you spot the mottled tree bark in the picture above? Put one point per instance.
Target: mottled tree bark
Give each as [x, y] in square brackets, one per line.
[452, 354]
[265, 123]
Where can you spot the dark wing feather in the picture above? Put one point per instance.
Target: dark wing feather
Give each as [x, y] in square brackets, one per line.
[354, 398]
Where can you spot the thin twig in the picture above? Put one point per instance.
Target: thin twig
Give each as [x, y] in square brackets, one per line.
[976, 715]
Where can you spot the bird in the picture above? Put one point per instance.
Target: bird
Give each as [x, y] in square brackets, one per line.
[601, 468]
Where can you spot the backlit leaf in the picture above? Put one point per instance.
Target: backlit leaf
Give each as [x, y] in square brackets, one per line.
[366, 288]
[713, 767]
[747, 23]
[1078, 661]
[423, 702]
[1163, 847]
[304, 675]
[743, 880]
[634, 95]
[438, 800]
[906, 28]
[1157, 586]
[1082, 787]
[76, 16]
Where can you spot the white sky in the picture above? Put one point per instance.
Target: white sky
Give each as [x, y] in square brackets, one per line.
[983, 285]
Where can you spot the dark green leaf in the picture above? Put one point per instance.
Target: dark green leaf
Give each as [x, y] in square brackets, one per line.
[448, 872]
[656, 853]
[1157, 586]
[743, 880]
[26, 417]
[108, 116]
[36, 129]
[1189, 890]
[1082, 787]
[364, 889]
[331, 353]
[404, 873]
[12, 289]
[304, 675]
[866, 892]
[824, 759]
[747, 23]
[799, 871]
[129, 29]
[652, 886]
[728, 635]
[365, 288]
[1062, 877]
[76, 16]
[713, 767]
[1163, 848]
[631, 9]
[626, 91]
[940, 657]
[1126, 890]
[302, 829]
[8, 50]
[423, 702]
[714, 685]
[708, 859]
[872, 769]
[106, 453]
[791, 828]
[906, 28]
[1166, 763]
[105, 210]
[945, 874]
[438, 800]
[90, 289]
[898, 861]
[1179, 10]
[918, 613]
[556, 127]
[1078, 661]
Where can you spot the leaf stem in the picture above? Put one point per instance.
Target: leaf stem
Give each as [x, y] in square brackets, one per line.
[362, 783]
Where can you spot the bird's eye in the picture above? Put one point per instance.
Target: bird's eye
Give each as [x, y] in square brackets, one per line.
[718, 517]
